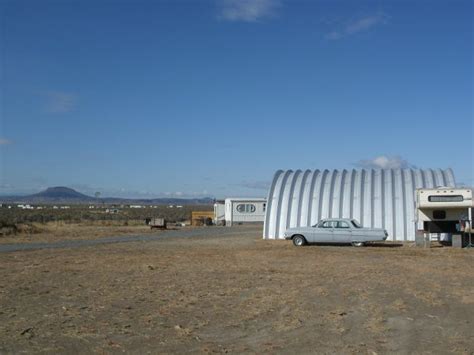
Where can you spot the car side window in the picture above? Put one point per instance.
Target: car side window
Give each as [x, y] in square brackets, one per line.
[327, 224]
[342, 224]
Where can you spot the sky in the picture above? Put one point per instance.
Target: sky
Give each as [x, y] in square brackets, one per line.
[210, 98]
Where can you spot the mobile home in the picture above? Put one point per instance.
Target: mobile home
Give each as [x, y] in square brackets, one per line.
[244, 210]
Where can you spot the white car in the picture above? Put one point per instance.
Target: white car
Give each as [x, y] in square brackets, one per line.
[336, 230]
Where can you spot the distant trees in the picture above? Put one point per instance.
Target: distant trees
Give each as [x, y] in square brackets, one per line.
[82, 213]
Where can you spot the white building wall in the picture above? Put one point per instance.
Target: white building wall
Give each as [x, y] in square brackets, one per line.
[219, 212]
[376, 198]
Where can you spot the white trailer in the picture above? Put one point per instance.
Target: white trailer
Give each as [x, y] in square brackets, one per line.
[244, 210]
[444, 210]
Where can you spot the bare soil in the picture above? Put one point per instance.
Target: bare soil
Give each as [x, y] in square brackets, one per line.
[231, 291]
[59, 231]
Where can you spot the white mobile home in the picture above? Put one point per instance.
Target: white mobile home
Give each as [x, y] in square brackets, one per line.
[244, 210]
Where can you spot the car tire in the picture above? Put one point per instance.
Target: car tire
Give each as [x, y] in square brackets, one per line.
[299, 241]
[358, 244]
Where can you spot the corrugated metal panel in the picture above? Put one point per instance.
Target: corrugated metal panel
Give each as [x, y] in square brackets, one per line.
[377, 198]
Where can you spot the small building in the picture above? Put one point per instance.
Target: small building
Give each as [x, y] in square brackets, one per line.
[244, 210]
[25, 207]
[201, 218]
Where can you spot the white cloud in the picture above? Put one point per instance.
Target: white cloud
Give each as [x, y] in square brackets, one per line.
[60, 102]
[258, 185]
[360, 24]
[4, 141]
[247, 10]
[385, 162]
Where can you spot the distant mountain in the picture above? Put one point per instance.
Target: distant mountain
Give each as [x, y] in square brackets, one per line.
[59, 193]
[66, 195]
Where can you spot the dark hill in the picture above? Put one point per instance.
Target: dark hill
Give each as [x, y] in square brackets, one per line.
[60, 193]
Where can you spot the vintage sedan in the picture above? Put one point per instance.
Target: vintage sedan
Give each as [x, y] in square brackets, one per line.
[336, 230]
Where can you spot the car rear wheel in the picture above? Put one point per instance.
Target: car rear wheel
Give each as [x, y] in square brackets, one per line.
[299, 241]
[358, 244]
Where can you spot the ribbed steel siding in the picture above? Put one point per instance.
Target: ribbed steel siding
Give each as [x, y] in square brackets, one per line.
[376, 198]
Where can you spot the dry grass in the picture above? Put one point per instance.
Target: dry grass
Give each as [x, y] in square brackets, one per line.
[236, 294]
[55, 231]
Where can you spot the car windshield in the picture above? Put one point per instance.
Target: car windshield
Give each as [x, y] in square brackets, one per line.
[356, 224]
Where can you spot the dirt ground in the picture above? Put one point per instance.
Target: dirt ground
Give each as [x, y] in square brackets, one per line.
[56, 231]
[231, 291]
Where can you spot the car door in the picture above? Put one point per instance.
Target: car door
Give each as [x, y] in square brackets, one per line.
[324, 232]
[342, 232]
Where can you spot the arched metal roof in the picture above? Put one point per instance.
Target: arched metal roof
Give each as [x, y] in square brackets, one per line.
[375, 197]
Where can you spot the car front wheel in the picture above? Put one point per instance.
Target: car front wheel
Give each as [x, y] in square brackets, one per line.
[299, 241]
[358, 244]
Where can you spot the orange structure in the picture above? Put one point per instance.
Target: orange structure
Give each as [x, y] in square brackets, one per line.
[200, 218]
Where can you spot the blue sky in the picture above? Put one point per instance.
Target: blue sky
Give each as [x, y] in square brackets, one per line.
[192, 98]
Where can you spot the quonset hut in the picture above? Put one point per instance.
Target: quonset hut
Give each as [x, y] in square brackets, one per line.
[375, 197]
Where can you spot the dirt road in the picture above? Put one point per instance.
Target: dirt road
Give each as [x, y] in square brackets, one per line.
[228, 290]
[84, 242]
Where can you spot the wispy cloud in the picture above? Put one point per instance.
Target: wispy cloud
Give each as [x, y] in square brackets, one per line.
[465, 182]
[258, 185]
[173, 194]
[360, 24]
[4, 141]
[7, 189]
[385, 162]
[21, 188]
[60, 102]
[247, 10]
[135, 193]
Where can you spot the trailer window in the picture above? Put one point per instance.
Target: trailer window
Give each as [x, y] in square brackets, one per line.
[245, 208]
[446, 198]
